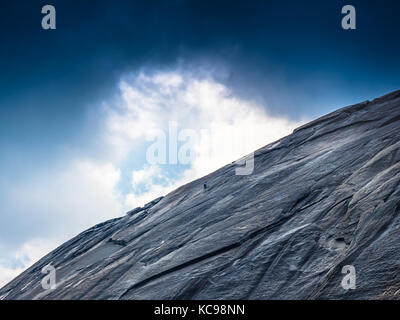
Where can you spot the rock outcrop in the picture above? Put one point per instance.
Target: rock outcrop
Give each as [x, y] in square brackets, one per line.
[324, 197]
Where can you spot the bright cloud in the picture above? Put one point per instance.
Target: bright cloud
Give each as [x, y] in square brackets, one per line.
[145, 175]
[70, 198]
[225, 127]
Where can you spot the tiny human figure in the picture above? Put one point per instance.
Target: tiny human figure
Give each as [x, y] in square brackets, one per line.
[205, 186]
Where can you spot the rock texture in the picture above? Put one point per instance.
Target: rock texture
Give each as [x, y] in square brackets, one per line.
[326, 196]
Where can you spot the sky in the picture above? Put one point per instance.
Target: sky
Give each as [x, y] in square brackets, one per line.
[80, 105]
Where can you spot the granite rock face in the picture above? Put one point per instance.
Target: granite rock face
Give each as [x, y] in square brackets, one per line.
[324, 197]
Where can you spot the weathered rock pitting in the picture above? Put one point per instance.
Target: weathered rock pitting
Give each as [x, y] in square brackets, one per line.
[326, 196]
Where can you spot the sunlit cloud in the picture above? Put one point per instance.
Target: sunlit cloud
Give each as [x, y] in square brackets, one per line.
[225, 126]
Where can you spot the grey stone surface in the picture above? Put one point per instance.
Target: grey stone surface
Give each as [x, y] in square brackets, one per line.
[326, 196]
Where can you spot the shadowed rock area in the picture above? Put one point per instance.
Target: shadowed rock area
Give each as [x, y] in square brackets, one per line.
[326, 196]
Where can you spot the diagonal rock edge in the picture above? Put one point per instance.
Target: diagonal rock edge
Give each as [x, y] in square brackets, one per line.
[321, 198]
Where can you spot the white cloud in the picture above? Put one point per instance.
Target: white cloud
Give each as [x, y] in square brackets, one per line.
[71, 197]
[146, 175]
[226, 127]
